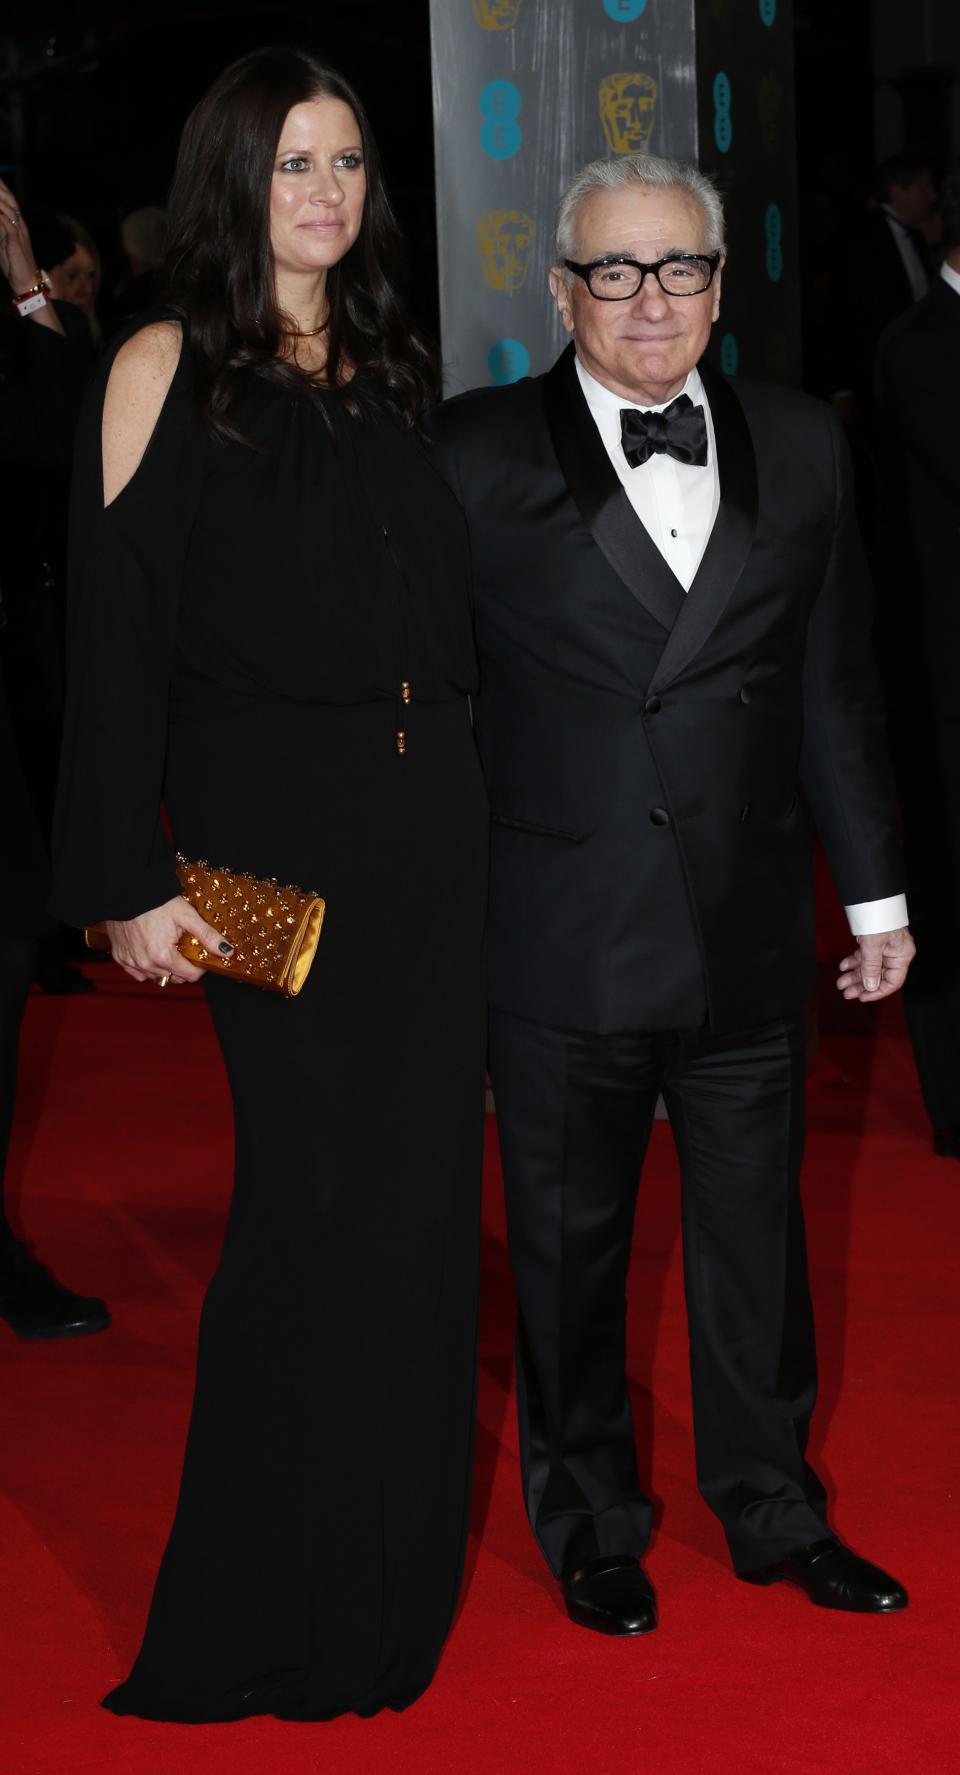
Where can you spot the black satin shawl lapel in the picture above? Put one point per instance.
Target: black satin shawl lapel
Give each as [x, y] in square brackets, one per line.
[600, 498]
[732, 536]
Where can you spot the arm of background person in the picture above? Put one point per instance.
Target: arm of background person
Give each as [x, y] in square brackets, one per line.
[40, 405]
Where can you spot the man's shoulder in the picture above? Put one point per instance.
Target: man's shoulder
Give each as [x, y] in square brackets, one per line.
[925, 324]
[778, 406]
[872, 224]
[797, 438]
[874, 232]
[481, 412]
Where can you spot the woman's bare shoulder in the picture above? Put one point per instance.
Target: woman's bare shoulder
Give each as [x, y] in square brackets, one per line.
[148, 360]
[139, 382]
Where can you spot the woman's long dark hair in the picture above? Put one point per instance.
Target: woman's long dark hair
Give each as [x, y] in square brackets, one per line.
[220, 275]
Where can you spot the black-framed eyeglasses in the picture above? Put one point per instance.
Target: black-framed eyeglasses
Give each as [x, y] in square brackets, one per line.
[616, 278]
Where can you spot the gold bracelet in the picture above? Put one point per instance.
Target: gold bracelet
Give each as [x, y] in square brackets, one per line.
[36, 297]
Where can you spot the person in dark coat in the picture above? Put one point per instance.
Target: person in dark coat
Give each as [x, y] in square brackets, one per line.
[673, 616]
[918, 379]
[38, 411]
[35, 562]
[887, 266]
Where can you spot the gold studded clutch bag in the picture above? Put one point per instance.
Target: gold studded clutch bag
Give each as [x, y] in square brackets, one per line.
[274, 930]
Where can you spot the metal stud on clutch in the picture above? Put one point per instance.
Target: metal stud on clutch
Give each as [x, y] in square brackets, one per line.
[274, 930]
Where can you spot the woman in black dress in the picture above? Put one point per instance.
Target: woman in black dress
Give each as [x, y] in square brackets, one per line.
[270, 630]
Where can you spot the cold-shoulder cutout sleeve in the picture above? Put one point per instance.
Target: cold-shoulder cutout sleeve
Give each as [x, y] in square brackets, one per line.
[137, 388]
[111, 856]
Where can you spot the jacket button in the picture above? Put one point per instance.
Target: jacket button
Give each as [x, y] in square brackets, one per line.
[652, 705]
[746, 811]
[745, 694]
[659, 816]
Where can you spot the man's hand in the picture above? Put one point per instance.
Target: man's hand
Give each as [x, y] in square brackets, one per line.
[878, 966]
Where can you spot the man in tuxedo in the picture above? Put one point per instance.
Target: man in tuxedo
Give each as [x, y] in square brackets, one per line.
[887, 267]
[672, 614]
[919, 636]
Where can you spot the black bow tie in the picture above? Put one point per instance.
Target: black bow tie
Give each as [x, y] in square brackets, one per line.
[679, 431]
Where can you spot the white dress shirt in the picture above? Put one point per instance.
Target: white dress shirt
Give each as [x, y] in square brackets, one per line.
[677, 505]
[950, 277]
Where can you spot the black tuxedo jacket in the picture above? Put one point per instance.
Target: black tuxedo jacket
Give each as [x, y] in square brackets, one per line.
[644, 746]
[919, 397]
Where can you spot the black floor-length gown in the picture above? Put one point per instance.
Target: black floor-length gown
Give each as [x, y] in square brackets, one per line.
[243, 621]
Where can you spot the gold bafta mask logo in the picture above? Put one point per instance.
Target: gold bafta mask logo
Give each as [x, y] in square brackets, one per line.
[628, 104]
[496, 15]
[504, 238]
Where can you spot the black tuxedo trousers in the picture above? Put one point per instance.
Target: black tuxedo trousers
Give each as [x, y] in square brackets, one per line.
[648, 753]
[575, 1113]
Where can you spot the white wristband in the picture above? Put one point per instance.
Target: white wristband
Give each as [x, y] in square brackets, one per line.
[30, 304]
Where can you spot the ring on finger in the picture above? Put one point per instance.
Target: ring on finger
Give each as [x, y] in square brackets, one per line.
[163, 980]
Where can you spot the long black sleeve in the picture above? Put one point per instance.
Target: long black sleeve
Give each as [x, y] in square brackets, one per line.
[111, 856]
[844, 767]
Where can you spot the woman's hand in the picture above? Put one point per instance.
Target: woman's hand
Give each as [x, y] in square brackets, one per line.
[16, 254]
[17, 262]
[146, 947]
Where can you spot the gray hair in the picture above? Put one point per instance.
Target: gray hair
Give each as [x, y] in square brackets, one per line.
[639, 169]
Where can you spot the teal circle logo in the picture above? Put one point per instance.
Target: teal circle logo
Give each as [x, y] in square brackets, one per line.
[500, 133]
[768, 11]
[507, 361]
[729, 354]
[624, 11]
[773, 233]
[722, 121]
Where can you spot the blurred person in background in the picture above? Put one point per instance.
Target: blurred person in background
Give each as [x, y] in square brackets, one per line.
[878, 266]
[918, 389]
[143, 235]
[895, 233]
[77, 279]
[34, 566]
[887, 265]
[39, 401]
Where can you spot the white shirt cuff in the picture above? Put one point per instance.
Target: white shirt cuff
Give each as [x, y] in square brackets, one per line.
[871, 916]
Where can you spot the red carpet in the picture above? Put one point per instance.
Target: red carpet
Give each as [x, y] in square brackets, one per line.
[121, 1163]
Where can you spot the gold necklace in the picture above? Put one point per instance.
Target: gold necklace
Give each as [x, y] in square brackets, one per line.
[295, 333]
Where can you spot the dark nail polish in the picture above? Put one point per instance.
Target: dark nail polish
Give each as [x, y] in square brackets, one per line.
[225, 948]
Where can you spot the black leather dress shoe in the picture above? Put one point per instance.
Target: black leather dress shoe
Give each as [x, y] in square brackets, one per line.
[35, 1305]
[835, 1578]
[612, 1595]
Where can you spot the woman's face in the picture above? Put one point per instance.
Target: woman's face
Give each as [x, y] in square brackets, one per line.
[75, 280]
[318, 187]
